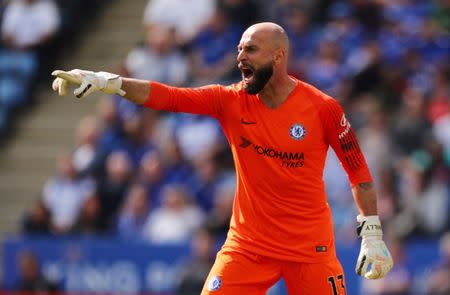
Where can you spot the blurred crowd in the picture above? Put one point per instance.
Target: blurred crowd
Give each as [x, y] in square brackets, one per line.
[166, 177]
[26, 27]
[32, 34]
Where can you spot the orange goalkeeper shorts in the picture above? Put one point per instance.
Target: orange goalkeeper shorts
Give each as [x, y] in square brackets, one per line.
[235, 273]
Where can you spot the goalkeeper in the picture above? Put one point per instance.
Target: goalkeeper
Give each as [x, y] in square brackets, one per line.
[279, 129]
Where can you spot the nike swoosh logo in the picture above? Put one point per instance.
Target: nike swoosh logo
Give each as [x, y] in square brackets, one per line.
[247, 122]
[245, 142]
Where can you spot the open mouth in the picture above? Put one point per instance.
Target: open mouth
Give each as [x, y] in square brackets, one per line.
[247, 73]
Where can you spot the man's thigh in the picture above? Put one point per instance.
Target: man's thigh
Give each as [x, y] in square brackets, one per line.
[315, 278]
[237, 273]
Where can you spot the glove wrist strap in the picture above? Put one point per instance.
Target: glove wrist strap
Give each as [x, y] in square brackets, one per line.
[369, 226]
[113, 83]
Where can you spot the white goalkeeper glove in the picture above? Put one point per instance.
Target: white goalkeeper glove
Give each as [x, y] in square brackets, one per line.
[88, 82]
[374, 252]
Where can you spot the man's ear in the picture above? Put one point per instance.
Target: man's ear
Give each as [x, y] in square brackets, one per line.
[278, 56]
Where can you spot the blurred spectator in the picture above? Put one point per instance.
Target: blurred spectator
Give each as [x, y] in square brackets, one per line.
[90, 220]
[410, 13]
[442, 13]
[135, 139]
[375, 142]
[242, 12]
[437, 281]
[324, 70]
[398, 281]
[196, 136]
[124, 127]
[152, 174]
[339, 196]
[164, 166]
[37, 221]
[158, 59]
[27, 25]
[278, 11]
[424, 196]
[108, 115]
[369, 14]
[110, 131]
[85, 154]
[441, 130]
[439, 101]
[134, 212]
[177, 167]
[31, 278]
[387, 199]
[392, 38]
[342, 28]
[195, 271]
[439, 110]
[64, 194]
[218, 219]
[303, 39]
[175, 220]
[417, 71]
[185, 16]
[112, 187]
[214, 50]
[205, 181]
[410, 128]
[2, 10]
[432, 43]
[363, 64]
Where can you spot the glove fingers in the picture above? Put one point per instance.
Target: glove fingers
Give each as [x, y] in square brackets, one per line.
[379, 270]
[375, 272]
[361, 265]
[62, 89]
[383, 270]
[60, 85]
[55, 84]
[71, 77]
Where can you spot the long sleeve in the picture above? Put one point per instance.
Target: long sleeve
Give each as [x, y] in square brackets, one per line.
[205, 100]
[340, 135]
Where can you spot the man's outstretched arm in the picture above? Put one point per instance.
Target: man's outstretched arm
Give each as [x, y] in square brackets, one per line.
[136, 91]
[88, 82]
[205, 100]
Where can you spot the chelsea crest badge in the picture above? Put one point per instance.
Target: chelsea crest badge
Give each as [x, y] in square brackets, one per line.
[214, 283]
[297, 131]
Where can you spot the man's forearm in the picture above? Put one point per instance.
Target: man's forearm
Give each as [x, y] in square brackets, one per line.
[136, 91]
[374, 260]
[366, 199]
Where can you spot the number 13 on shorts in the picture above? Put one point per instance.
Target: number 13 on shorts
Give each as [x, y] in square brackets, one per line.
[339, 286]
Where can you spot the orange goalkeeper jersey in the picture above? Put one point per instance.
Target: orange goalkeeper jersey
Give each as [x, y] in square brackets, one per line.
[280, 208]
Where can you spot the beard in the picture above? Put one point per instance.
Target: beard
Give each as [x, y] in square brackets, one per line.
[260, 79]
